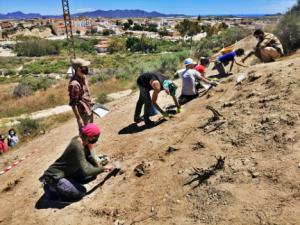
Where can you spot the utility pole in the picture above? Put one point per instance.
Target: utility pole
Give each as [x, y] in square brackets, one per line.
[68, 26]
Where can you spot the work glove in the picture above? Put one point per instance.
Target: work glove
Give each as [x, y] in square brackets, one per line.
[165, 114]
[213, 83]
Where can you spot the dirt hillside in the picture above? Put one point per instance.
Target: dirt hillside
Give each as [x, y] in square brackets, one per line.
[257, 132]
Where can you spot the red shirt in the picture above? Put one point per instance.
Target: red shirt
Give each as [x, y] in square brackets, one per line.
[3, 147]
[200, 69]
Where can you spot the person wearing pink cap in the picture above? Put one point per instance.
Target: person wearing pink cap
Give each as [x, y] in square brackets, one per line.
[78, 165]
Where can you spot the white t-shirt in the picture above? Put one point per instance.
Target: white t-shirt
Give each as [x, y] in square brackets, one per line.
[188, 77]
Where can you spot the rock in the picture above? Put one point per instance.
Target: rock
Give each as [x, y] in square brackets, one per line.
[255, 174]
[240, 79]
[253, 77]
[139, 170]
[299, 165]
[180, 172]
[228, 104]
[269, 99]
[119, 222]
[171, 150]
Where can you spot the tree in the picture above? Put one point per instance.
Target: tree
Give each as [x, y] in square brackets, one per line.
[164, 32]
[126, 26]
[187, 27]
[288, 29]
[130, 21]
[199, 18]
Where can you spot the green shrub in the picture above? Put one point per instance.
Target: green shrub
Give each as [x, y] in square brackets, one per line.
[29, 126]
[29, 85]
[123, 76]
[37, 47]
[37, 83]
[288, 29]
[142, 44]
[207, 46]
[102, 98]
[99, 78]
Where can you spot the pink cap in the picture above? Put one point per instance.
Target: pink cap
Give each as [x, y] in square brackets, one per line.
[91, 130]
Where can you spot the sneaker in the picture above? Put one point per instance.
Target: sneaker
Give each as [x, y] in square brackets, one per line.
[138, 119]
[149, 123]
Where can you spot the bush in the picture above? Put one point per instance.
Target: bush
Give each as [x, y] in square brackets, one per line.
[207, 46]
[37, 47]
[123, 76]
[288, 29]
[142, 44]
[29, 126]
[29, 85]
[37, 83]
[102, 98]
[22, 90]
[116, 45]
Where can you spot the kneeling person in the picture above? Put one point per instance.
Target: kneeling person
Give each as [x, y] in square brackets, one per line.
[78, 165]
[189, 75]
[268, 47]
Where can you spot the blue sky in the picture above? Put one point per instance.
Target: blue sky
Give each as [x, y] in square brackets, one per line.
[189, 7]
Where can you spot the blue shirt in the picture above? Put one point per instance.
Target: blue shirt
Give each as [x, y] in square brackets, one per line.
[227, 57]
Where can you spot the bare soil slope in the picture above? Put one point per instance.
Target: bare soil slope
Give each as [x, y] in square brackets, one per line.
[258, 133]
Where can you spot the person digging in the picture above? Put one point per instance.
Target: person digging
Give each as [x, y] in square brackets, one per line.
[268, 47]
[224, 60]
[78, 165]
[156, 82]
[189, 77]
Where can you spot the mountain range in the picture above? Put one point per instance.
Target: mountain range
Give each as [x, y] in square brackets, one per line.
[97, 13]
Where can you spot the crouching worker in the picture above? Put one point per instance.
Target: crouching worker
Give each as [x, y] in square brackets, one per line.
[189, 75]
[157, 83]
[78, 165]
[224, 60]
[268, 47]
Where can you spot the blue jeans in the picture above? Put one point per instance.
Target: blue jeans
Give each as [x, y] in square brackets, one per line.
[67, 189]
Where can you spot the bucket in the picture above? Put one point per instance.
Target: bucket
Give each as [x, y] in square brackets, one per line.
[153, 111]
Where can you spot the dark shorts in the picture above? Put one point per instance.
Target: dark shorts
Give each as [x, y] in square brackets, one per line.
[183, 99]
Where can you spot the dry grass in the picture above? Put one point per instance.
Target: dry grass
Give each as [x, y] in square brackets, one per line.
[111, 86]
[12, 106]
[53, 96]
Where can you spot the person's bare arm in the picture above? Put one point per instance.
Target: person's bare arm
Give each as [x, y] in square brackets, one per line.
[156, 89]
[239, 64]
[200, 77]
[231, 66]
[176, 101]
[77, 115]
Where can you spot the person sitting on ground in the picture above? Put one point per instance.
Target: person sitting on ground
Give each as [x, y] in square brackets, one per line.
[189, 76]
[268, 47]
[204, 63]
[78, 165]
[80, 97]
[156, 82]
[12, 138]
[224, 60]
[3, 145]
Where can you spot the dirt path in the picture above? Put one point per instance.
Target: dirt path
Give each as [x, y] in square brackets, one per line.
[259, 138]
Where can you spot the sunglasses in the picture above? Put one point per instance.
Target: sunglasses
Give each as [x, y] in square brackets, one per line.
[93, 140]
